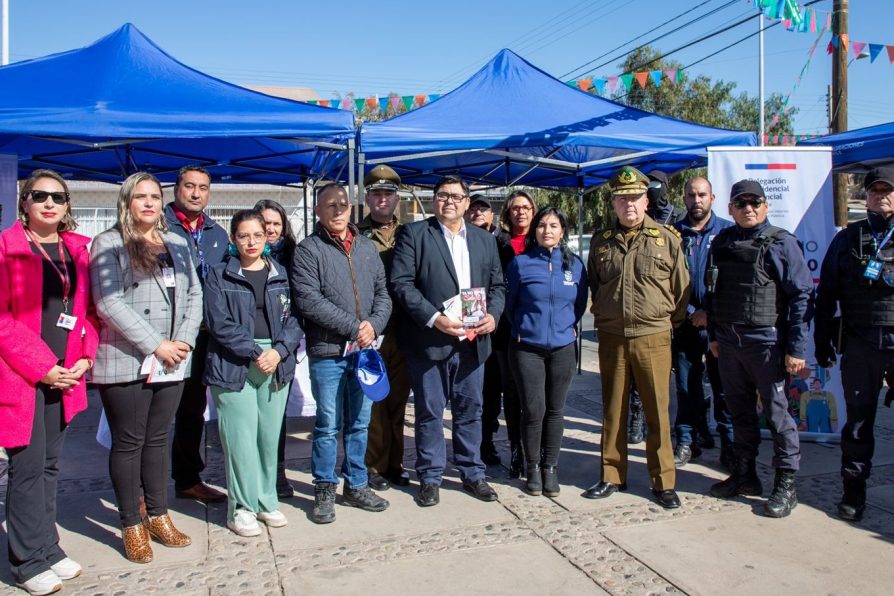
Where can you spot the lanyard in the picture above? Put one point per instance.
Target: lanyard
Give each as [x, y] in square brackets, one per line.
[62, 273]
[884, 241]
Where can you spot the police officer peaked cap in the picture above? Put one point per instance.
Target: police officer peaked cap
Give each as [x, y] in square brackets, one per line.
[628, 181]
[747, 187]
[879, 175]
[382, 176]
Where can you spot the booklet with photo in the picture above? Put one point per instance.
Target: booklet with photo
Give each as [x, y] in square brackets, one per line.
[453, 310]
[474, 306]
[158, 373]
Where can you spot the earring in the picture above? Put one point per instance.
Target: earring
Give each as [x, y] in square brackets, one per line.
[232, 250]
[266, 251]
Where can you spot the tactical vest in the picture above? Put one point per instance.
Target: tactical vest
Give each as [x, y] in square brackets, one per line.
[864, 302]
[745, 294]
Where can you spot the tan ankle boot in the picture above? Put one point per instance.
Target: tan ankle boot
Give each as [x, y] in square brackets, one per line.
[162, 529]
[137, 547]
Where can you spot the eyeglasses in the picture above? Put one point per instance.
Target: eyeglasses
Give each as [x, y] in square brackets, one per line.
[40, 196]
[446, 197]
[520, 208]
[741, 203]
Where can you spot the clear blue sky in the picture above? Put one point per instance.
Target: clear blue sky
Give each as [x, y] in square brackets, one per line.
[384, 46]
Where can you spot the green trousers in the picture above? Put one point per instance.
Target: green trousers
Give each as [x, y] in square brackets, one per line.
[249, 422]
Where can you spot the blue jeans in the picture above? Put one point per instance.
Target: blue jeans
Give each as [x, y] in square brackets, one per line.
[341, 405]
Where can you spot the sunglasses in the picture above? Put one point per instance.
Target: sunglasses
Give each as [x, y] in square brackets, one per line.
[40, 196]
[741, 203]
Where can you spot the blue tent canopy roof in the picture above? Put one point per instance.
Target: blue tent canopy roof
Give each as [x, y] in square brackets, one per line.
[859, 150]
[124, 104]
[511, 116]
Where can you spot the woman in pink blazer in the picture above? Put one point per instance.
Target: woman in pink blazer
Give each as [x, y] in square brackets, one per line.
[48, 339]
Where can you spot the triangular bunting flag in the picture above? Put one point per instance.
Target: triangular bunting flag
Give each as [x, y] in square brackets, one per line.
[812, 20]
[395, 102]
[828, 20]
[372, 103]
[890, 50]
[844, 40]
[408, 102]
[679, 76]
[584, 84]
[434, 97]
[383, 104]
[830, 48]
[358, 104]
[312, 102]
[420, 100]
[571, 83]
[671, 74]
[656, 78]
[874, 50]
[792, 11]
[612, 83]
[805, 21]
[324, 103]
[834, 41]
[599, 85]
[642, 78]
[858, 47]
[347, 104]
[787, 23]
[627, 79]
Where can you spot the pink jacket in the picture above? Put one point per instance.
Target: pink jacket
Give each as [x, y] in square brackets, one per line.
[24, 358]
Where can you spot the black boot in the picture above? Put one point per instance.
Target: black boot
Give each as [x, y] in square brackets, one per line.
[784, 497]
[743, 480]
[853, 502]
[635, 422]
[550, 481]
[727, 458]
[516, 460]
[534, 482]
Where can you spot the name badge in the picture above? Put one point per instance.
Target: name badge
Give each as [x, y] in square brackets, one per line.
[168, 274]
[873, 269]
[66, 321]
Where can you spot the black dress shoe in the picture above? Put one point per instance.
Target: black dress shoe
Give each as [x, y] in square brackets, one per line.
[666, 498]
[398, 477]
[602, 490]
[429, 495]
[480, 489]
[378, 482]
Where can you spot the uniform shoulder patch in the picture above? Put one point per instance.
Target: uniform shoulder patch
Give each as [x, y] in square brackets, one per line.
[607, 234]
[652, 232]
[673, 230]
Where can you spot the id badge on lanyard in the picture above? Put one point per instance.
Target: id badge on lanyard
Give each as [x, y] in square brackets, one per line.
[65, 320]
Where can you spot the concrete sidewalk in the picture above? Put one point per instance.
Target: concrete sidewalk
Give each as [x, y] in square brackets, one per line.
[519, 545]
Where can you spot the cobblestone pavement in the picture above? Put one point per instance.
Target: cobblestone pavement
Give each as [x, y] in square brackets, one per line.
[521, 544]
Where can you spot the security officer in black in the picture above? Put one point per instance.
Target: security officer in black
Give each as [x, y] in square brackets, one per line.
[858, 275]
[760, 294]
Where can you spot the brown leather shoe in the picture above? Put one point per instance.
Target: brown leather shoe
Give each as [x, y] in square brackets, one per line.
[202, 492]
[162, 529]
[137, 547]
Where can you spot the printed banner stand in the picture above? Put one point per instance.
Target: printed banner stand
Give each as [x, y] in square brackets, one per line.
[9, 169]
[798, 185]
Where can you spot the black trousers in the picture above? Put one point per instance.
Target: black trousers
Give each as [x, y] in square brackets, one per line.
[186, 447]
[511, 407]
[139, 416]
[863, 368]
[492, 394]
[33, 542]
[542, 378]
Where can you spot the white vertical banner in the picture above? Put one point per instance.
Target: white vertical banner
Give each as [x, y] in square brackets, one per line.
[798, 185]
[9, 190]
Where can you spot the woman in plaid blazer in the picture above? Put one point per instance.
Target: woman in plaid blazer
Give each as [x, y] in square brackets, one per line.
[149, 303]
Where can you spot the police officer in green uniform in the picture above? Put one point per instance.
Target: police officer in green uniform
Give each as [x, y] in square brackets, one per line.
[640, 285]
[385, 444]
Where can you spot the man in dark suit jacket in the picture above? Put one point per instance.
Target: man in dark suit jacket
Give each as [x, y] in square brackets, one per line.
[433, 260]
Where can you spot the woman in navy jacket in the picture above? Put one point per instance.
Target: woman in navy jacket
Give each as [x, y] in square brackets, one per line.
[546, 297]
[251, 362]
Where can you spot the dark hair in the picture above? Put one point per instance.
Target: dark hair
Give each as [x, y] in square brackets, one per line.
[288, 236]
[67, 223]
[507, 207]
[531, 239]
[319, 191]
[244, 215]
[450, 179]
[191, 168]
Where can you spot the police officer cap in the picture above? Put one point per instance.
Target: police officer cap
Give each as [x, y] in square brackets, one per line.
[479, 199]
[879, 175]
[747, 187]
[382, 176]
[628, 181]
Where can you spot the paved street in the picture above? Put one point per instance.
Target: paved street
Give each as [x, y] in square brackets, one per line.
[519, 545]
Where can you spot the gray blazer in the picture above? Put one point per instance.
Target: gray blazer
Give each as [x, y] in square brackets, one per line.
[134, 309]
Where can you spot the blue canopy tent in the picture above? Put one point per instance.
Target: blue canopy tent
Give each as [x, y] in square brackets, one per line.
[858, 151]
[511, 123]
[122, 104]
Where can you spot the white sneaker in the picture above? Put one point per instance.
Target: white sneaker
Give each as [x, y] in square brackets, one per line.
[274, 519]
[67, 569]
[42, 583]
[244, 523]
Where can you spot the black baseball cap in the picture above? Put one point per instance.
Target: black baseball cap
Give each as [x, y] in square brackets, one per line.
[879, 175]
[747, 187]
[479, 199]
[657, 176]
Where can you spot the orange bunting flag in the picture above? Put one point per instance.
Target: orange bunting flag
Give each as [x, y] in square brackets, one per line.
[641, 78]
[420, 100]
[842, 39]
[585, 84]
[324, 103]
[372, 103]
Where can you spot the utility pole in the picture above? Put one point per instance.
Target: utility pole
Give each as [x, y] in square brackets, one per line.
[839, 100]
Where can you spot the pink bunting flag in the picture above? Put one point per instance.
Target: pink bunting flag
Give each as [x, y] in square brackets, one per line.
[613, 82]
[890, 53]
[671, 74]
[787, 23]
[858, 47]
[812, 20]
[395, 102]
